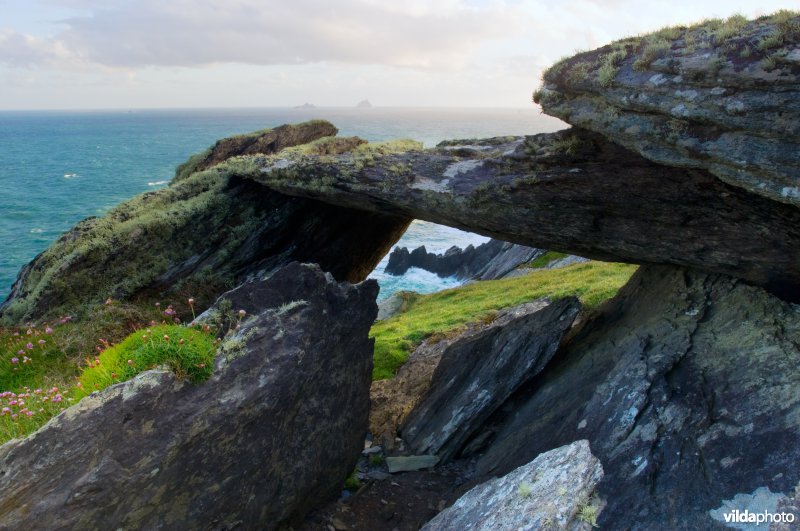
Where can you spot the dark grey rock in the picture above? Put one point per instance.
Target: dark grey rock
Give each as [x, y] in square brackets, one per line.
[574, 192]
[728, 105]
[688, 388]
[274, 431]
[554, 491]
[478, 373]
[487, 261]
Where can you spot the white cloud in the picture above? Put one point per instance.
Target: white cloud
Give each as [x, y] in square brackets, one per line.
[203, 32]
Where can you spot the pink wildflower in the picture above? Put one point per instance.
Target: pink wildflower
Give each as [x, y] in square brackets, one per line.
[15, 360]
[48, 330]
[29, 346]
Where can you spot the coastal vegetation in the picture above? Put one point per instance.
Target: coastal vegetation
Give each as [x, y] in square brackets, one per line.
[446, 312]
[46, 368]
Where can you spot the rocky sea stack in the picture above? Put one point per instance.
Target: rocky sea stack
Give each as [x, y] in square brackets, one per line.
[670, 405]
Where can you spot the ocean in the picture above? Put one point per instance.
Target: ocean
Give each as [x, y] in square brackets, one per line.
[58, 167]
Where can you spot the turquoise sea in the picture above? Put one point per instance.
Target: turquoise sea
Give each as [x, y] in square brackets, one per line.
[57, 168]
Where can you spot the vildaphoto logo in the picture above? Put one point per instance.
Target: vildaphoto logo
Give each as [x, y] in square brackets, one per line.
[746, 517]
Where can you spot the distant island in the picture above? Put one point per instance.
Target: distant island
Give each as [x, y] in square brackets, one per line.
[307, 105]
[364, 104]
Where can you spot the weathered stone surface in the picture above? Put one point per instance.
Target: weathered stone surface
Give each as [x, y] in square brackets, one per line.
[554, 491]
[572, 192]
[276, 429]
[488, 261]
[206, 232]
[394, 398]
[478, 373]
[687, 385]
[394, 304]
[696, 97]
[410, 463]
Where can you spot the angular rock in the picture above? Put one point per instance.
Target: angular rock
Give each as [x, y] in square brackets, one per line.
[395, 303]
[393, 399]
[274, 431]
[488, 261]
[205, 232]
[687, 386]
[554, 491]
[478, 373]
[724, 97]
[573, 192]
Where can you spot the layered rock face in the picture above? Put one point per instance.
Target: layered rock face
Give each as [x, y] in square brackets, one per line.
[480, 371]
[721, 96]
[687, 388]
[276, 429]
[209, 230]
[554, 491]
[488, 261]
[572, 191]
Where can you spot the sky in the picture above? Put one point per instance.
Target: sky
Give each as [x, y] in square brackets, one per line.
[120, 54]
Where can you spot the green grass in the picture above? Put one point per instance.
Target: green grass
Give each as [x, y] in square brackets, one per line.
[187, 351]
[40, 367]
[445, 311]
[545, 259]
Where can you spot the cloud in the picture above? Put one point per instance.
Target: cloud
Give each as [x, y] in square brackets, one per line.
[202, 32]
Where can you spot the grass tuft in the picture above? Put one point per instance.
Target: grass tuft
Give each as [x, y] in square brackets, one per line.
[655, 49]
[187, 351]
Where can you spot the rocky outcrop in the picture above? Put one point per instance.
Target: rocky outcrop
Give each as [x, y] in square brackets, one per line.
[479, 372]
[687, 386]
[394, 398]
[258, 142]
[723, 96]
[554, 491]
[488, 261]
[274, 431]
[571, 191]
[206, 231]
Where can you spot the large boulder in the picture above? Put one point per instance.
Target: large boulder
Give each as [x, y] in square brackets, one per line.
[573, 192]
[554, 491]
[274, 431]
[687, 386]
[209, 230]
[480, 371]
[720, 95]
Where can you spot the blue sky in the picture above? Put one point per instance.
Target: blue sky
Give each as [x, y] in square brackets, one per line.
[81, 54]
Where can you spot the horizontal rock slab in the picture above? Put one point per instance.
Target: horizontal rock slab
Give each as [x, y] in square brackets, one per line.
[478, 372]
[687, 386]
[722, 96]
[275, 430]
[573, 192]
[206, 231]
[410, 463]
[554, 491]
